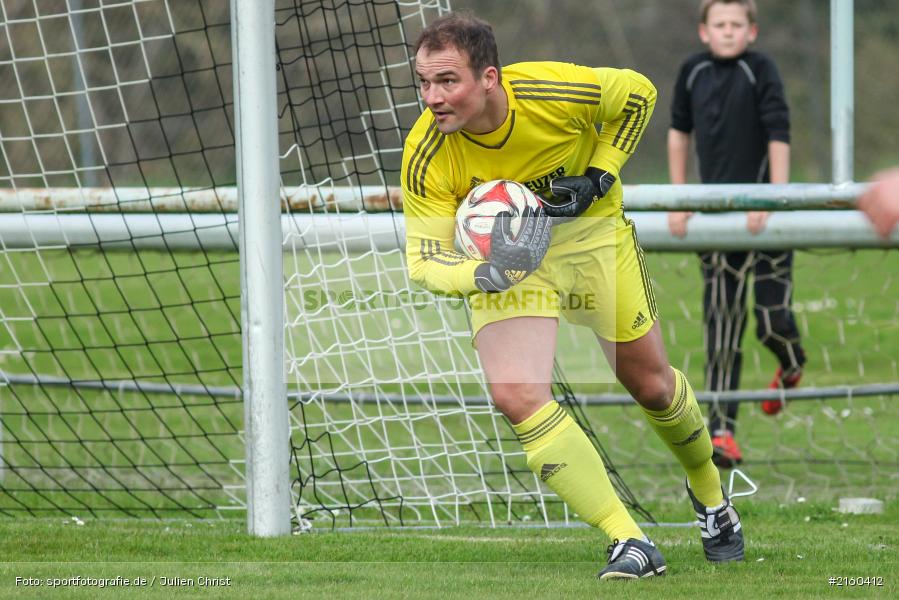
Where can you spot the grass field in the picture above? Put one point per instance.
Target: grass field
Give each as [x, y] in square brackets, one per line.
[119, 453]
[791, 553]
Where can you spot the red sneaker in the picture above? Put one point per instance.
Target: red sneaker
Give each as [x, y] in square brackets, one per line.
[725, 451]
[772, 407]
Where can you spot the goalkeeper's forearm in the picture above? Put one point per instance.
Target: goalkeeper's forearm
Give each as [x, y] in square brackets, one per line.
[512, 257]
[455, 281]
[440, 272]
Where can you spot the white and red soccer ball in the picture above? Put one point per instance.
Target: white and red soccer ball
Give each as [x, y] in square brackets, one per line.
[477, 213]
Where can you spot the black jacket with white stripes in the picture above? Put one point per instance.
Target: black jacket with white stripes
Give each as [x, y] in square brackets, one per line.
[735, 107]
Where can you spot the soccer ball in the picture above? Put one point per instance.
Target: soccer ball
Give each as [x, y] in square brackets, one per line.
[476, 214]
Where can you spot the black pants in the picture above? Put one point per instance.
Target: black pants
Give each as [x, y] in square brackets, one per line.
[726, 279]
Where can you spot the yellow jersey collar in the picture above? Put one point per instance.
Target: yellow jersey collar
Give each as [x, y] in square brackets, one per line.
[497, 138]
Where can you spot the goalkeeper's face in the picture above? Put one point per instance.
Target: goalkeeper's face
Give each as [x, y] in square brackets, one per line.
[458, 97]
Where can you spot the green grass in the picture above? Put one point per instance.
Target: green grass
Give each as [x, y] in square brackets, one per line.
[174, 318]
[102, 317]
[791, 552]
[108, 454]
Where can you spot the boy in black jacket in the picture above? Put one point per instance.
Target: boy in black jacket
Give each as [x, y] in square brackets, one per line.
[732, 101]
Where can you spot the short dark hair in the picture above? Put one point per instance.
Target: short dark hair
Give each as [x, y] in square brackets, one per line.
[751, 10]
[466, 33]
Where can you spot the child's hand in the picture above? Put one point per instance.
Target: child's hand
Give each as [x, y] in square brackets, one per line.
[756, 220]
[677, 223]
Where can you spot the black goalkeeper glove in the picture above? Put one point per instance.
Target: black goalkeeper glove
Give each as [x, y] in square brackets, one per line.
[512, 258]
[573, 195]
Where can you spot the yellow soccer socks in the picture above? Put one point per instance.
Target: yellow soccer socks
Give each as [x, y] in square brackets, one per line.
[682, 428]
[560, 453]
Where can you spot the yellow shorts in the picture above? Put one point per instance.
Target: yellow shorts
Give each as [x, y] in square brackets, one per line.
[594, 274]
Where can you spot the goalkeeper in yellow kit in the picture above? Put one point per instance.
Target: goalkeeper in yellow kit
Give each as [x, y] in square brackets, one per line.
[564, 131]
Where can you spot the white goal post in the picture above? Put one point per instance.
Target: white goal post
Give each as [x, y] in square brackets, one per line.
[261, 299]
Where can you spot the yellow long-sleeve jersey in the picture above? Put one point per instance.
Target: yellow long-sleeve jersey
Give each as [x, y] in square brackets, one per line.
[550, 131]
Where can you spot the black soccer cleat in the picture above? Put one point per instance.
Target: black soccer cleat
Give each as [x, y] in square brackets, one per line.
[633, 559]
[722, 533]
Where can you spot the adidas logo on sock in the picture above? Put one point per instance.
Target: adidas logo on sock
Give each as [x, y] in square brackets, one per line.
[690, 438]
[640, 320]
[549, 469]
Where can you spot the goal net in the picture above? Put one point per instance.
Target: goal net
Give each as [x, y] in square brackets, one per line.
[833, 437]
[120, 370]
[120, 352]
[389, 411]
[120, 362]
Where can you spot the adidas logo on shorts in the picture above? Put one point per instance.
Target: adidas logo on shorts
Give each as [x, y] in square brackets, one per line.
[639, 321]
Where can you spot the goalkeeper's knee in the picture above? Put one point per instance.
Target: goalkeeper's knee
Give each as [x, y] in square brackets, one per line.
[518, 401]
